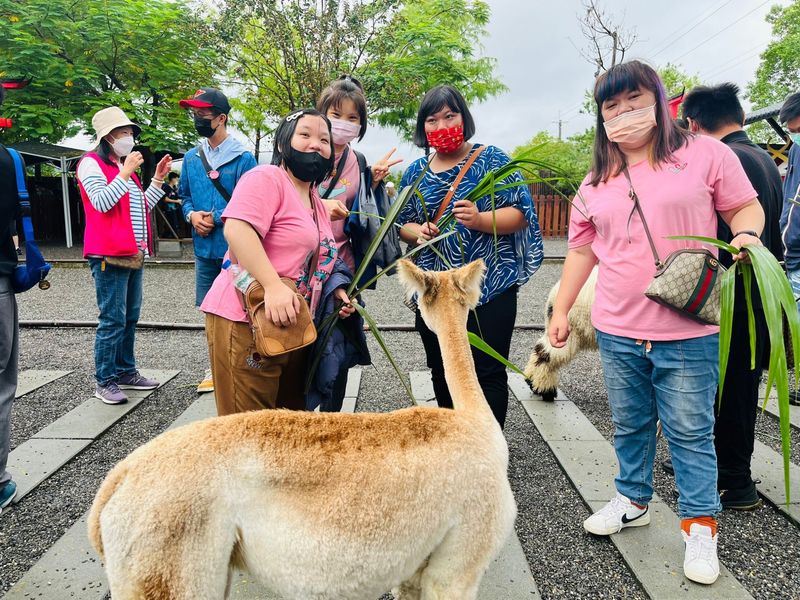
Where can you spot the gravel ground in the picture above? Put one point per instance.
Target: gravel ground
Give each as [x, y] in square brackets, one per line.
[761, 547]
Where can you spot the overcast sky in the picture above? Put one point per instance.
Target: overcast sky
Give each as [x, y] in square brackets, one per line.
[535, 43]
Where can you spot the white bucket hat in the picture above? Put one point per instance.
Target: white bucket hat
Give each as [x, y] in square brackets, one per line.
[106, 120]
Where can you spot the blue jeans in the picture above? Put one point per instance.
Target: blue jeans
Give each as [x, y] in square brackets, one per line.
[205, 272]
[119, 299]
[794, 280]
[675, 381]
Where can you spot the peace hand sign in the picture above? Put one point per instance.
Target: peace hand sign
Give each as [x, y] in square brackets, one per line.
[381, 168]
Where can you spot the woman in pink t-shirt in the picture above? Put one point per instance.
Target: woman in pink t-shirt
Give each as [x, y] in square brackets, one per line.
[274, 224]
[656, 362]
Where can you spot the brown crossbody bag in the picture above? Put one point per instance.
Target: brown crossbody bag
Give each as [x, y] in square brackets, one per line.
[271, 339]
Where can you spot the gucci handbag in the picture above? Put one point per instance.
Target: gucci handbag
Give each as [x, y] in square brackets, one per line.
[687, 281]
[271, 339]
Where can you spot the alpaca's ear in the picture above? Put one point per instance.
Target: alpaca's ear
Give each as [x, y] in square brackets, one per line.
[412, 277]
[468, 279]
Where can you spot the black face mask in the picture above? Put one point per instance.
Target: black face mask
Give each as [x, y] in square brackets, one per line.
[203, 127]
[307, 166]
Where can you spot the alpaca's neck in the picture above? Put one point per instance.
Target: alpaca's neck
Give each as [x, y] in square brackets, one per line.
[459, 368]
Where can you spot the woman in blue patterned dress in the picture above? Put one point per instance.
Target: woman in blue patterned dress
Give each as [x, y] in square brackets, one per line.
[444, 124]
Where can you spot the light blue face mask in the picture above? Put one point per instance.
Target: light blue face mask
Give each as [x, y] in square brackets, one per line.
[795, 137]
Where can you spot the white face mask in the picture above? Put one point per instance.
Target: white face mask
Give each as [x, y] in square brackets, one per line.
[123, 146]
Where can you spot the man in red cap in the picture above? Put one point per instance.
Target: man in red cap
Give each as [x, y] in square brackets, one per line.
[209, 174]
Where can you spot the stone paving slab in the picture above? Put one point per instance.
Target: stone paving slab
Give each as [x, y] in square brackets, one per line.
[422, 388]
[32, 379]
[35, 460]
[69, 569]
[767, 465]
[654, 553]
[91, 418]
[772, 408]
[563, 420]
[48, 450]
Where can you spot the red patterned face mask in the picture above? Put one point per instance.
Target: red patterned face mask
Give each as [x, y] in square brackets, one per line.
[446, 141]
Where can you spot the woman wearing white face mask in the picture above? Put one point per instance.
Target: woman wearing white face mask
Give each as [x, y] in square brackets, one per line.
[352, 183]
[117, 237]
[657, 363]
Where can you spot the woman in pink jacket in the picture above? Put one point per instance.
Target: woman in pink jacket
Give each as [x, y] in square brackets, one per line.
[117, 231]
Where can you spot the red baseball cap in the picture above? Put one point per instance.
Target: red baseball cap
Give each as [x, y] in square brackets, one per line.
[208, 98]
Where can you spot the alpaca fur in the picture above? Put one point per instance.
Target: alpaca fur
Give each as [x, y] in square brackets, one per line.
[320, 506]
[545, 361]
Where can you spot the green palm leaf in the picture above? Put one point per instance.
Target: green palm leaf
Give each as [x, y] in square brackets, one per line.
[481, 345]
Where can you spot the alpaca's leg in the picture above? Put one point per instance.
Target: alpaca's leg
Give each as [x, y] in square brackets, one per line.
[456, 567]
[411, 589]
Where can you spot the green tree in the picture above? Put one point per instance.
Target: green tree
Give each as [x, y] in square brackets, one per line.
[779, 72]
[141, 55]
[572, 157]
[284, 52]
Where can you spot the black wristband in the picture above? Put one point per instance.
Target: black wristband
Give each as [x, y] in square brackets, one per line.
[748, 232]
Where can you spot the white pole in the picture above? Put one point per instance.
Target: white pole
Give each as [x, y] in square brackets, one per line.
[65, 198]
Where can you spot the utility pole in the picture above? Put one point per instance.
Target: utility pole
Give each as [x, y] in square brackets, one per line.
[560, 122]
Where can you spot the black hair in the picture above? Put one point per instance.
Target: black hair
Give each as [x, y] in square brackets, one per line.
[712, 108]
[172, 175]
[345, 88]
[682, 123]
[791, 108]
[607, 159]
[285, 132]
[435, 100]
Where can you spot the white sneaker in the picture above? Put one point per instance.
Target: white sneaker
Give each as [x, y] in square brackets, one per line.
[207, 385]
[616, 515]
[700, 562]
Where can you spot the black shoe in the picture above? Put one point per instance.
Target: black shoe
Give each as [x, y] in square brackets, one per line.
[742, 498]
[668, 468]
[794, 397]
[19, 251]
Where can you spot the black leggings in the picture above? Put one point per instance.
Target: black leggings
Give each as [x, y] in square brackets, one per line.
[495, 324]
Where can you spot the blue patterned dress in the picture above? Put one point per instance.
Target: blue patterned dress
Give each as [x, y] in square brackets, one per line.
[518, 255]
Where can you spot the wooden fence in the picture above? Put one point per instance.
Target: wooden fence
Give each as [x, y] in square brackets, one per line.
[553, 212]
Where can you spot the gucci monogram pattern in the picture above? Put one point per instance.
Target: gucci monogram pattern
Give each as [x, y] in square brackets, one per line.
[675, 283]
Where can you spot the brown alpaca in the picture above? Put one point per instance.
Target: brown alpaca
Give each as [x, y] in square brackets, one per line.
[320, 506]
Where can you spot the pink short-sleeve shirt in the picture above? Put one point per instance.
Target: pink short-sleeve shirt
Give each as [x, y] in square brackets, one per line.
[265, 198]
[681, 197]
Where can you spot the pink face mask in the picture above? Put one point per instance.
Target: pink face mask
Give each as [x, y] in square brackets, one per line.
[344, 132]
[631, 127]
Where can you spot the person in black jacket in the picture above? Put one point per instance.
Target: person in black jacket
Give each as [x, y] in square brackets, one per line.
[9, 324]
[717, 112]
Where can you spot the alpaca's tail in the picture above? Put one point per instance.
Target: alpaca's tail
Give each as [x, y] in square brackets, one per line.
[110, 484]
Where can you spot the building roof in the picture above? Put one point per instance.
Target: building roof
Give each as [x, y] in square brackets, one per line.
[770, 112]
[36, 152]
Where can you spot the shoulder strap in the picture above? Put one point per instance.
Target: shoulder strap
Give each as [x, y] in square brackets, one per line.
[22, 192]
[337, 173]
[215, 181]
[634, 196]
[446, 202]
[362, 161]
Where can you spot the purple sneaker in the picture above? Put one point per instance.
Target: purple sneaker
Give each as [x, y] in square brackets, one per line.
[110, 394]
[136, 381]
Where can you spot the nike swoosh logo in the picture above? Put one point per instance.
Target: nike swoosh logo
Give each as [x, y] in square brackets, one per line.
[626, 520]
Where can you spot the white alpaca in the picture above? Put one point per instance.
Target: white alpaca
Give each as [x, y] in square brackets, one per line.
[320, 506]
[545, 361]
